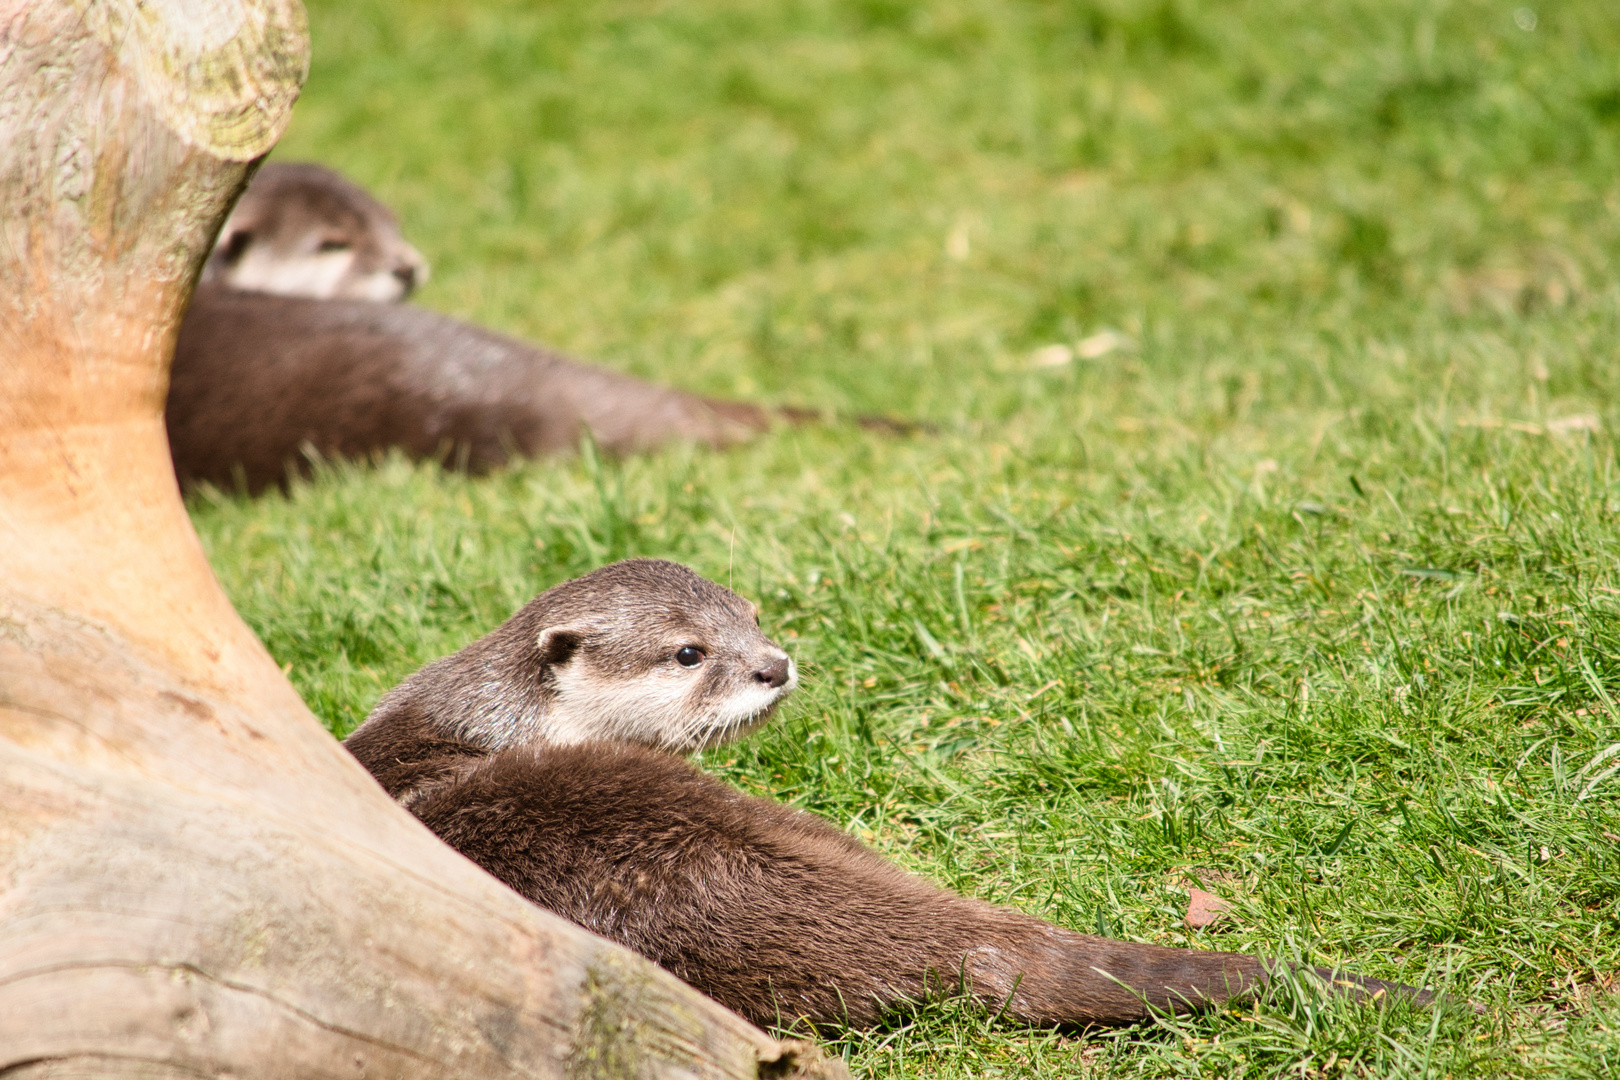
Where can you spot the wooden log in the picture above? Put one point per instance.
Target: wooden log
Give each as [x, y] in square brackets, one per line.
[195, 879]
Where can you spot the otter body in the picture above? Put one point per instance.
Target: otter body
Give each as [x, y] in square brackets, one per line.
[768, 909]
[258, 380]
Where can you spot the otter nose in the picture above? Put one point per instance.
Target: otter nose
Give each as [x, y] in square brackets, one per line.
[773, 675]
[407, 278]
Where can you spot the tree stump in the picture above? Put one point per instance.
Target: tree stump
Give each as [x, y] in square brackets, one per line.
[195, 879]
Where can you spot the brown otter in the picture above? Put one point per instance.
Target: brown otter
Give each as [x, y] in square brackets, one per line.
[768, 909]
[264, 373]
[302, 229]
[259, 381]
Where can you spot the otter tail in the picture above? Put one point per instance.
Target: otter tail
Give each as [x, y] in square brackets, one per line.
[1069, 979]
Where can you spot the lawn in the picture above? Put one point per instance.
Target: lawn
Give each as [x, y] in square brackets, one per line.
[1266, 531]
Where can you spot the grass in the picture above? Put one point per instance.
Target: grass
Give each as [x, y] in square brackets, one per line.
[1308, 592]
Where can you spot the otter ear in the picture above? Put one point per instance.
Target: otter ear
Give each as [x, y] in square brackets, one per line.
[558, 644]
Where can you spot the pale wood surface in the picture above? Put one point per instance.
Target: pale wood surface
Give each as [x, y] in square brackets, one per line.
[194, 877]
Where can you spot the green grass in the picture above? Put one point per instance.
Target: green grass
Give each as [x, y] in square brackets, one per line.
[1311, 593]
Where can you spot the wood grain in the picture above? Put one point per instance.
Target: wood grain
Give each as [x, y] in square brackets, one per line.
[194, 878]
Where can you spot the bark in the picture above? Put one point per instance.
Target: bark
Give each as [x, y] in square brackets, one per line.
[195, 879]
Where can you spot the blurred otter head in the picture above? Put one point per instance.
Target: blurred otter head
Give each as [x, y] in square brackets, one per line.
[302, 229]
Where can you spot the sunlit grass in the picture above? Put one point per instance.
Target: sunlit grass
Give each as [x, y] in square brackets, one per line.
[1306, 589]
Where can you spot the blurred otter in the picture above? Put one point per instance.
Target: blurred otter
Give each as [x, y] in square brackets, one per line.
[286, 354]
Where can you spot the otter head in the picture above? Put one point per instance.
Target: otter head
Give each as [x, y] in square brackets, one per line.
[301, 229]
[642, 651]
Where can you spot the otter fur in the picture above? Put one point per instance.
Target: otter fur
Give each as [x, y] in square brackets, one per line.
[587, 810]
[259, 382]
[302, 229]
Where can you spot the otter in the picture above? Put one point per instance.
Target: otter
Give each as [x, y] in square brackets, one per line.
[302, 229]
[286, 353]
[548, 753]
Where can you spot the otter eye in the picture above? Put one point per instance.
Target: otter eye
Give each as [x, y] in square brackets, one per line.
[689, 657]
[332, 245]
[236, 247]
